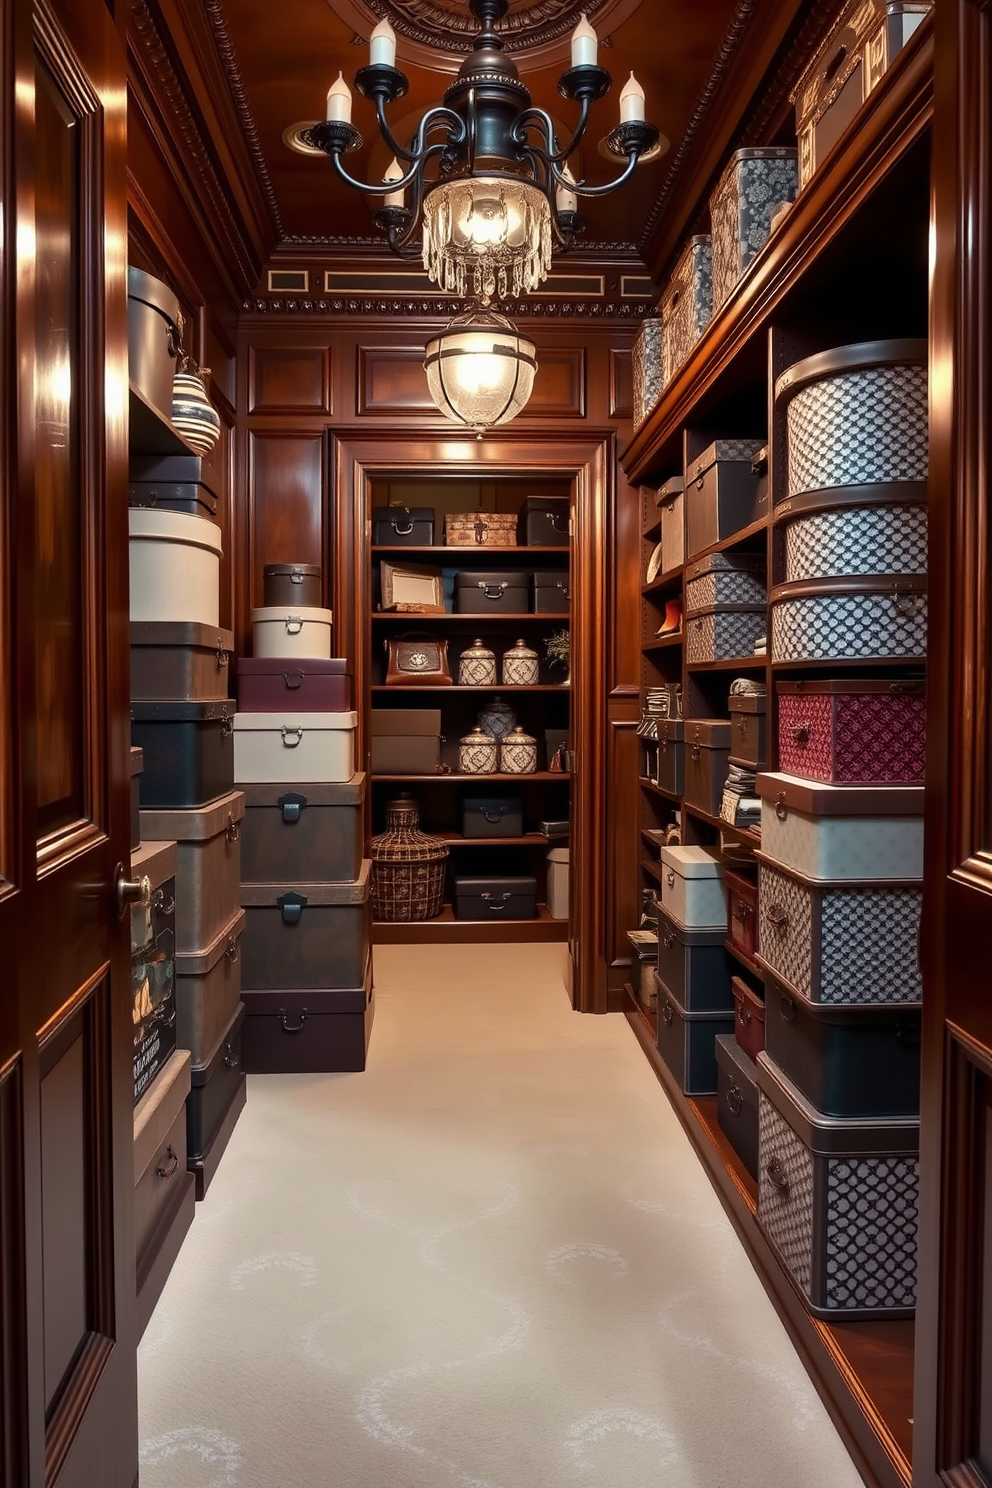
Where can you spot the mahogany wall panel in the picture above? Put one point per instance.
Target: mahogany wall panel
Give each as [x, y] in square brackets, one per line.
[560, 385]
[289, 379]
[621, 384]
[286, 502]
[625, 651]
[391, 380]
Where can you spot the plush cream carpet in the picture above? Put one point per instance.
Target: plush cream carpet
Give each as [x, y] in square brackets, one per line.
[491, 1261]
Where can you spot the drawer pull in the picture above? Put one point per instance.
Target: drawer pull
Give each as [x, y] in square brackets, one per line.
[670, 878]
[781, 809]
[668, 1014]
[775, 1170]
[292, 736]
[291, 906]
[294, 624]
[735, 1099]
[233, 952]
[787, 1009]
[292, 805]
[169, 1166]
[288, 1027]
[293, 680]
[777, 916]
[231, 1058]
[233, 833]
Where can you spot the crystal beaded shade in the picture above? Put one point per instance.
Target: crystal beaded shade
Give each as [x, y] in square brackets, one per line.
[480, 370]
[487, 237]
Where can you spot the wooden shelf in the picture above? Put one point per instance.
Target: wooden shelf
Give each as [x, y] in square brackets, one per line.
[529, 839]
[746, 834]
[473, 618]
[479, 780]
[745, 960]
[652, 531]
[490, 688]
[663, 581]
[663, 642]
[151, 432]
[445, 927]
[649, 840]
[733, 541]
[737, 664]
[652, 869]
[657, 790]
[439, 550]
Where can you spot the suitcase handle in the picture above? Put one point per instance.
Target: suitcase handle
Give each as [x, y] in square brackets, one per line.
[233, 952]
[492, 906]
[743, 1013]
[799, 733]
[557, 522]
[400, 532]
[781, 810]
[735, 1100]
[288, 1027]
[287, 730]
[786, 1008]
[291, 906]
[169, 1166]
[775, 1169]
[233, 832]
[292, 805]
[777, 916]
[222, 655]
[293, 680]
[667, 1014]
[492, 817]
[231, 1059]
[670, 878]
[227, 725]
[493, 591]
[294, 624]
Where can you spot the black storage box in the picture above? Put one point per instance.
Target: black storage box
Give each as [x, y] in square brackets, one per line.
[137, 765]
[188, 750]
[179, 496]
[179, 660]
[492, 816]
[311, 833]
[215, 1101]
[670, 733]
[737, 1100]
[182, 470]
[544, 522]
[506, 593]
[306, 934]
[694, 967]
[308, 1031]
[687, 1042]
[846, 1061]
[707, 755]
[403, 526]
[496, 899]
[721, 493]
[551, 592]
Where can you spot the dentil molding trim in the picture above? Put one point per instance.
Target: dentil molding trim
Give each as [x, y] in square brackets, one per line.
[392, 308]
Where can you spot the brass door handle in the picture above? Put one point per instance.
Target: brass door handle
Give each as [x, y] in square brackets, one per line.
[130, 891]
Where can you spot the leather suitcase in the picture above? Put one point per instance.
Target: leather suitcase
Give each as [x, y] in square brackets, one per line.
[403, 526]
[215, 1101]
[737, 1100]
[153, 966]
[544, 522]
[853, 733]
[707, 755]
[833, 832]
[273, 684]
[742, 912]
[137, 765]
[748, 733]
[308, 1031]
[188, 749]
[687, 1043]
[306, 934]
[552, 594]
[686, 306]
[179, 661]
[182, 496]
[495, 899]
[671, 755]
[694, 967]
[292, 585]
[838, 1200]
[492, 816]
[208, 990]
[749, 1017]
[312, 832]
[721, 493]
[501, 593]
[208, 866]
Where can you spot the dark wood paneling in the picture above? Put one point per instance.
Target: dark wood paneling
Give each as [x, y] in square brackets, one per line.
[625, 567]
[621, 384]
[391, 379]
[289, 379]
[286, 502]
[64, 1198]
[560, 385]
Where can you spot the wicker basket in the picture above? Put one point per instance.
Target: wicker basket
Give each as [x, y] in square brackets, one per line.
[480, 529]
[407, 866]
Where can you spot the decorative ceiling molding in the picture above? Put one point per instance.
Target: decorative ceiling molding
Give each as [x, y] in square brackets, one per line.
[448, 28]
[314, 242]
[728, 50]
[229, 63]
[393, 308]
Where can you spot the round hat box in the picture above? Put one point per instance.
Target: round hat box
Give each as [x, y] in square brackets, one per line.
[301, 631]
[175, 566]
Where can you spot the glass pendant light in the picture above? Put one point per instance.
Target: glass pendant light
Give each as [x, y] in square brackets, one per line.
[480, 370]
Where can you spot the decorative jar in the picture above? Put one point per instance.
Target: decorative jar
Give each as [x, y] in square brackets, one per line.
[407, 866]
[192, 412]
[520, 666]
[477, 666]
[518, 753]
[477, 753]
[497, 718]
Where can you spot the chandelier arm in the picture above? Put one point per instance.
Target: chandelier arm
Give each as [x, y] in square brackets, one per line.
[609, 186]
[551, 156]
[431, 120]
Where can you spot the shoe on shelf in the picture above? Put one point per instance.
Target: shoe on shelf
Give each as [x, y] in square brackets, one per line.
[672, 622]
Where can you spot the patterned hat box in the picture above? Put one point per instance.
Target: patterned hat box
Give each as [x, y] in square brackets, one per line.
[671, 504]
[498, 593]
[707, 755]
[737, 1100]
[312, 831]
[749, 193]
[723, 579]
[721, 491]
[846, 1061]
[216, 1100]
[153, 964]
[188, 750]
[853, 530]
[853, 733]
[840, 832]
[838, 1200]
[840, 943]
[648, 367]
[686, 1042]
[694, 967]
[856, 416]
[693, 891]
[742, 912]
[725, 633]
[496, 899]
[308, 1031]
[853, 619]
[687, 303]
[179, 660]
[208, 991]
[748, 742]
[292, 747]
[307, 935]
[749, 1017]
[670, 734]
[208, 871]
[544, 522]
[271, 684]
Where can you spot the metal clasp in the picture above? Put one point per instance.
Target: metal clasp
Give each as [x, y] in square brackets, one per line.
[288, 730]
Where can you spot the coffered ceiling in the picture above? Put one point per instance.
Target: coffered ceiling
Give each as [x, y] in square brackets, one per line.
[279, 59]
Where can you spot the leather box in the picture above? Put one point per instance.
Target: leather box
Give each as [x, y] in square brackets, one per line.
[179, 661]
[687, 1042]
[405, 741]
[208, 866]
[306, 934]
[297, 633]
[153, 968]
[174, 567]
[707, 755]
[737, 1100]
[742, 912]
[215, 1101]
[164, 1201]
[544, 522]
[273, 684]
[499, 593]
[480, 529]
[671, 504]
[552, 592]
[749, 1017]
[725, 633]
[847, 531]
[170, 469]
[839, 832]
[403, 526]
[853, 733]
[292, 585]
[838, 1200]
[748, 735]
[496, 899]
[188, 749]
[137, 765]
[725, 580]
[181, 496]
[721, 493]
[312, 832]
[492, 816]
[693, 891]
[208, 990]
[670, 734]
[309, 1030]
[694, 967]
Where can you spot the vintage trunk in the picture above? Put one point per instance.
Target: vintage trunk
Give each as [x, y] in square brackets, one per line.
[496, 593]
[208, 990]
[495, 899]
[271, 684]
[687, 1043]
[174, 566]
[748, 739]
[181, 660]
[307, 935]
[721, 492]
[693, 891]
[310, 833]
[687, 303]
[707, 752]
[853, 732]
[855, 619]
[188, 750]
[737, 1100]
[300, 633]
[754, 185]
[742, 912]
[671, 504]
[693, 966]
[308, 1031]
[292, 748]
[208, 872]
[836, 832]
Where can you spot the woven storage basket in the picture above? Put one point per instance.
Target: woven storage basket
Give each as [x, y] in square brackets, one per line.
[407, 866]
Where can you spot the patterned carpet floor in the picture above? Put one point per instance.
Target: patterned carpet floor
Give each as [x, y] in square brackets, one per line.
[490, 1261]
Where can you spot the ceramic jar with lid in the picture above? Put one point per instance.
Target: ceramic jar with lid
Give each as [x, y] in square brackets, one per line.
[518, 753]
[477, 666]
[477, 753]
[520, 666]
[497, 718]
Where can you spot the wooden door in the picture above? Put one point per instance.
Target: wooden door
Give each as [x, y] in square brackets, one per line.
[953, 1407]
[67, 1330]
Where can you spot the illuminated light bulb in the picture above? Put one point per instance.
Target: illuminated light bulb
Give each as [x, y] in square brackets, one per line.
[382, 45]
[631, 102]
[584, 44]
[339, 101]
[394, 173]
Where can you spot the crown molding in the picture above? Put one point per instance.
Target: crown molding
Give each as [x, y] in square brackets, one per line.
[425, 308]
[228, 59]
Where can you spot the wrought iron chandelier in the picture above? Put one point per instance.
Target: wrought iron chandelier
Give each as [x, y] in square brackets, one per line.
[491, 193]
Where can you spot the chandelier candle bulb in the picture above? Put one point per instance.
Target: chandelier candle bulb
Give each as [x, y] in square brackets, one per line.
[339, 101]
[584, 44]
[382, 46]
[632, 102]
[394, 173]
[566, 200]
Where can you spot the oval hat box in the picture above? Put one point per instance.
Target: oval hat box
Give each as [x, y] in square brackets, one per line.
[175, 567]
